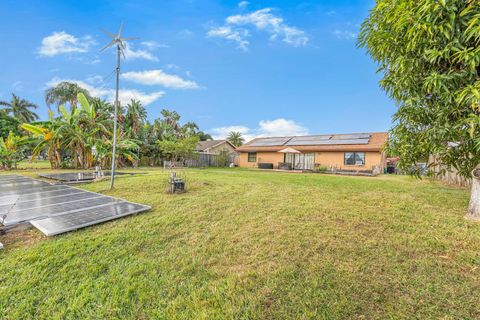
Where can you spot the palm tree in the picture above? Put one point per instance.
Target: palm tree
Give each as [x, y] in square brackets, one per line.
[64, 92]
[235, 138]
[136, 116]
[19, 108]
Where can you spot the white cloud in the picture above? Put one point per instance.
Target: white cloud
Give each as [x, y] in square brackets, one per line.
[243, 4]
[345, 34]
[132, 54]
[125, 95]
[152, 45]
[159, 77]
[266, 128]
[264, 20]
[229, 33]
[63, 43]
[331, 12]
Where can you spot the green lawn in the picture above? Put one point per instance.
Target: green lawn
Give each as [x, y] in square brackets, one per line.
[245, 244]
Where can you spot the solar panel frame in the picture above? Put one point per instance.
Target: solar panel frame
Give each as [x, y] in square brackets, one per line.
[68, 222]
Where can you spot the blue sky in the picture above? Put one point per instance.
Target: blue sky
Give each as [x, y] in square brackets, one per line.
[261, 67]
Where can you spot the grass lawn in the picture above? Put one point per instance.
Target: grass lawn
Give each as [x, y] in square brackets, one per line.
[245, 244]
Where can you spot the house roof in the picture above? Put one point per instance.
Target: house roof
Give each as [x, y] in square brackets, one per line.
[203, 146]
[373, 141]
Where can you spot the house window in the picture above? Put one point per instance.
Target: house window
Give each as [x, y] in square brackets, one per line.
[354, 158]
[252, 157]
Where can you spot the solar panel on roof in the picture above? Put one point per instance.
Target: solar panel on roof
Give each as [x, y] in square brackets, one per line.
[266, 142]
[327, 142]
[351, 136]
[60, 224]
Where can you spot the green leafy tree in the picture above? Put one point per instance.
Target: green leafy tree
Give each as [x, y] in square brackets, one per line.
[135, 117]
[11, 150]
[8, 124]
[429, 55]
[235, 138]
[20, 109]
[179, 148]
[63, 93]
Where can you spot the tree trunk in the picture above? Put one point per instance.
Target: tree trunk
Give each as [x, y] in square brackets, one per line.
[474, 205]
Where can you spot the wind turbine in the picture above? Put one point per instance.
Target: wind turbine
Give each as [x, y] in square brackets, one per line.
[118, 41]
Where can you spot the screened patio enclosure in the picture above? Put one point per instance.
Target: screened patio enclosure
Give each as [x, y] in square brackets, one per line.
[301, 161]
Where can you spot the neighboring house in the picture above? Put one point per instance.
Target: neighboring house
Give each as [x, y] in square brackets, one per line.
[349, 152]
[215, 146]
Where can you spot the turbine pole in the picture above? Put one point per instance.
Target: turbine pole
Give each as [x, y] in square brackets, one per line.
[114, 149]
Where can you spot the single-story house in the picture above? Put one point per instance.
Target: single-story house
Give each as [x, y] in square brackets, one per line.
[215, 146]
[349, 152]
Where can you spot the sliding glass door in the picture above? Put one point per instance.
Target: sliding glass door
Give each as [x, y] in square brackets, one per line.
[301, 161]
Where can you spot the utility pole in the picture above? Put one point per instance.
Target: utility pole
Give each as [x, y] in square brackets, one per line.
[115, 116]
[119, 42]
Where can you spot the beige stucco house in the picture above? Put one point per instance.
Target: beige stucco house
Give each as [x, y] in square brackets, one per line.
[357, 152]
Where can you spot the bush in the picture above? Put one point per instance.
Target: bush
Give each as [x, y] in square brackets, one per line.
[321, 168]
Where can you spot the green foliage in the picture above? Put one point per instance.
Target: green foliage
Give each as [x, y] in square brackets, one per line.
[429, 54]
[8, 124]
[236, 138]
[178, 148]
[223, 158]
[11, 150]
[321, 168]
[20, 109]
[64, 92]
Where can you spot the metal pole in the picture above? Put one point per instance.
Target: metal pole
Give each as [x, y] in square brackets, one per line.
[114, 149]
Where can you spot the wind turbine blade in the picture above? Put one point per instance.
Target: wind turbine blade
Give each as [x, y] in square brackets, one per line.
[108, 33]
[120, 29]
[108, 45]
[129, 38]
[123, 54]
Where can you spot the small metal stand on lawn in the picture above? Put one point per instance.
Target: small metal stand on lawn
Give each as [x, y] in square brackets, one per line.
[176, 185]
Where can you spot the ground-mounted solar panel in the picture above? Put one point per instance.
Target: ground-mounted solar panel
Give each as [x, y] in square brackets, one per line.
[351, 136]
[68, 222]
[57, 209]
[9, 176]
[21, 185]
[38, 195]
[30, 190]
[82, 176]
[14, 179]
[44, 202]
[25, 199]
